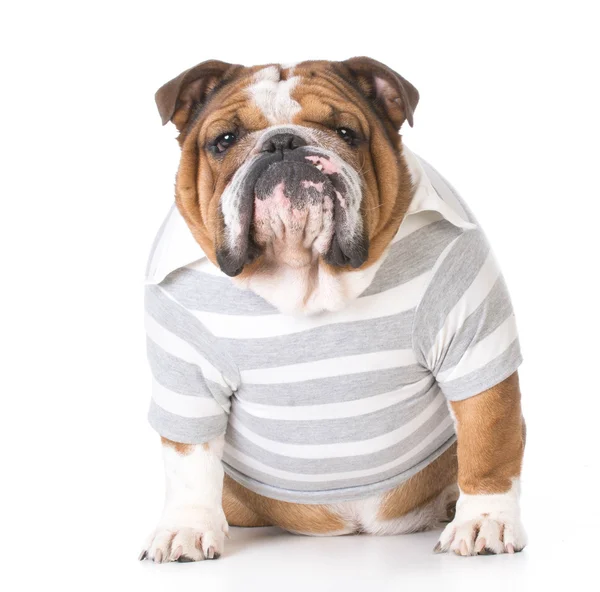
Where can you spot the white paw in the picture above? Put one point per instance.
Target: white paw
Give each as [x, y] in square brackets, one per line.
[190, 534]
[484, 524]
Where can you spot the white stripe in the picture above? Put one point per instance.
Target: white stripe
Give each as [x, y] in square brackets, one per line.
[396, 358]
[474, 295]
[343, 448]
[483, 352]
[393, 301]
[333, 410]
[184, 405]
[181, 349]
[254, 464]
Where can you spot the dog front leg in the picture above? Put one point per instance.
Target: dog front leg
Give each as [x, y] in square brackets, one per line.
[491, 440]
[193, 525]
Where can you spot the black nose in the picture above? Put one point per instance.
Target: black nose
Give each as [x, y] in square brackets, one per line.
[281, 142]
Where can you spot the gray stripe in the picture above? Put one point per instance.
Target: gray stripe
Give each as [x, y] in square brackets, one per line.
[329, 341]
[335, 389]
[407, 259]
[208, 293]
[321, 466]
[187, 430]
[412, 256]
[488, 316]
[180, 322]
[182, 377]
[455, 274]
[486, 377]
[345, 429]
[342, 490]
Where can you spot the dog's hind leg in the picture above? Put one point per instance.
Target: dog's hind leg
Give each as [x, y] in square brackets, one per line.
[246, 508]
[423, 502]
[236, 511]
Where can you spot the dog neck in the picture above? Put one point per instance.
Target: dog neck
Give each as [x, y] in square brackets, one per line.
[310, 289]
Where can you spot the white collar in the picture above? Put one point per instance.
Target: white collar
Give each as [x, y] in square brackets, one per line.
[433, 198]
[175, 247]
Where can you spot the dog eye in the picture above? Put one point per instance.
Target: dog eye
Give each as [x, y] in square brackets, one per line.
[349, 136]
[223, 142]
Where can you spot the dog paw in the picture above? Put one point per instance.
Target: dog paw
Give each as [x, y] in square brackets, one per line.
[183, 541]
[484, 524]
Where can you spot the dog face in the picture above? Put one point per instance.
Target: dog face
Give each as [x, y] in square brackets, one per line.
[290, 165]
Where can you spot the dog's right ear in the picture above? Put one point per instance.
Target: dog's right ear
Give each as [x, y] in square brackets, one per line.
[179, 97]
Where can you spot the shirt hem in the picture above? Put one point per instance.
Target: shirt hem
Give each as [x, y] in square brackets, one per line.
[333, 496]
[180, 436]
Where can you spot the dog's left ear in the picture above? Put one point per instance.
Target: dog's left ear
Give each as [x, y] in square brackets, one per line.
[395, 96]
[177, 98]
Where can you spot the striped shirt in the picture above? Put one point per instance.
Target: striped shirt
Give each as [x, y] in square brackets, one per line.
[340, 405]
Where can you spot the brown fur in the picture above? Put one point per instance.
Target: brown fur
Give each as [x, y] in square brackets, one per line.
[421, 488]
[246, 508]
[236, 512]
[183, 449]
[491, 438]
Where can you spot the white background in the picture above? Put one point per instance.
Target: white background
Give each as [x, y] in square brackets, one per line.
[509, 113]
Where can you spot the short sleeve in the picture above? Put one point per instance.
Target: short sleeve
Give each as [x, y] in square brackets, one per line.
[192, 382]
[464, 329]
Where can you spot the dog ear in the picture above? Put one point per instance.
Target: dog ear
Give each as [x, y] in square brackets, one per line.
[395, 96]
[177, 98]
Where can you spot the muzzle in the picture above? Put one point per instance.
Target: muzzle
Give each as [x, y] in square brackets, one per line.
[301, 194]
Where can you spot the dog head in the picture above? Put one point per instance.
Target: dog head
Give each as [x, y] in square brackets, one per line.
[290, 165]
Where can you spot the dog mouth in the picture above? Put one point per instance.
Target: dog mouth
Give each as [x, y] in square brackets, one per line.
[294, 207]
[293, 214]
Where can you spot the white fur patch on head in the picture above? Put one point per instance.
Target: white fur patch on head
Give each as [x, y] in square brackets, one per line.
[289, 66]
[273, 95]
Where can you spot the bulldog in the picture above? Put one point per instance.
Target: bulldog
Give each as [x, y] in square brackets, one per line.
[332, 344]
